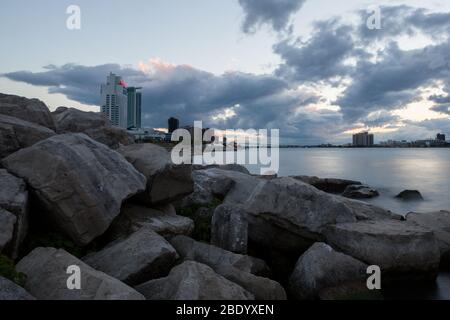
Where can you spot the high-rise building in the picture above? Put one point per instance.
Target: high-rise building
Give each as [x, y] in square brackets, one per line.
[440, 137]
[114, 101]
[363, 139]
[134, 107]
[174, 124]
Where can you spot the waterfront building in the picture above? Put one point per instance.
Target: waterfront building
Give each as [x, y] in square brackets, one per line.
[363, 139]
[134, 107]
[174, 124]
[114, 101]
[440, 137]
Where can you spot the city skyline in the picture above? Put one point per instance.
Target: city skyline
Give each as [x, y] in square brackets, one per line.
[317, 75]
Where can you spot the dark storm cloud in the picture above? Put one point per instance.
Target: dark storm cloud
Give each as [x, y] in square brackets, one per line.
[319, 58]
[441, 108]
[259, 101]
[276, 13]
[79, 83]
[394, 80]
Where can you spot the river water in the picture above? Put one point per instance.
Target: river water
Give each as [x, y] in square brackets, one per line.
[390, 171]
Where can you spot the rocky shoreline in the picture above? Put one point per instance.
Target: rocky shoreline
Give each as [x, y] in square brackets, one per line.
[75, 191]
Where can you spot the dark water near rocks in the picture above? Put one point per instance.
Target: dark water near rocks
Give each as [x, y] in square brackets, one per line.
[389, 171]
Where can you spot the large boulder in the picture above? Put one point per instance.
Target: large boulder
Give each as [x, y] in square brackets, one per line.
[14, 198]
[16, 134]
[232, 186]
[402, 250]
[31, 110]
[229, 228]
[80, 182]
[290, 215]
[7, 223]
[9, 291]
[142, 256]
[215, 257]
[360, 192]
[439, 223]
[329, 185]
[47, 278]
[165, 222]
[262, 288]
[193, 281]
[166, 182]
[94, 124]
[207, 188]
[321, 270]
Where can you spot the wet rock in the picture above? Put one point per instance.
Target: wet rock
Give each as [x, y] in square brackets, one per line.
[360, 192]
[439, 223]
[409, 195]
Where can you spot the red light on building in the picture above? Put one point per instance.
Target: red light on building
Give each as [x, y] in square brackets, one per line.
[122, 83]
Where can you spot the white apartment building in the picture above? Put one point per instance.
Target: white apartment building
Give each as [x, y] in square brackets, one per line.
[114, 101]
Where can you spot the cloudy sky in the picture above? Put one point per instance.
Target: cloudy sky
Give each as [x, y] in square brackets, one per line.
[311, 68]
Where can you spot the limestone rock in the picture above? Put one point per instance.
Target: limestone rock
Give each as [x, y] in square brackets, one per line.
[290, 215]
[215, 257]
[164, 221]
[193, 281]
[409, 195]
[82, 183]
[322, 269]
[166, 182]
[360, 192]
[9, 291]
[142, 256]
[327, 184]
[229, 228]
[439, 223]
[31, 110]
[16, 134]
[92, 124]
[262, 288]
[47, 277]
[400, 249]
[7, 223]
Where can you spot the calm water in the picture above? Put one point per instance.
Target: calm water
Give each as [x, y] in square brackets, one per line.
[390, 171]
